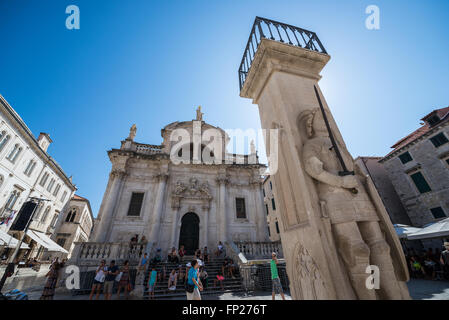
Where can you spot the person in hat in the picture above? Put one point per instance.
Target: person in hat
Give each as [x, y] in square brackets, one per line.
[444, 258]
[276, 282]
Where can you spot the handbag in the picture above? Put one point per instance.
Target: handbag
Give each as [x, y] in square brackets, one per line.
[118, 277]
[130, 287]
[190, 287]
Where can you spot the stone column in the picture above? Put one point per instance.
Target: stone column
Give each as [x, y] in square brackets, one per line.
[222, 213]
[175, 206]
[206, 225]
[107, 214]
[158, 208]
[260, 216]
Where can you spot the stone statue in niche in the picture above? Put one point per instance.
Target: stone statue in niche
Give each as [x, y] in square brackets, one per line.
[253, 147]
[357, 219]
[132, 132]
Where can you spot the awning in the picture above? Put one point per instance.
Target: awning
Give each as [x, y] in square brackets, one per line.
[45, 241]
[9, 241]
[403, 230]
[435, 230]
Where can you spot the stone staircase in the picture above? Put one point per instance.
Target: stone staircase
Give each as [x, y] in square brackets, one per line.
[213, 268]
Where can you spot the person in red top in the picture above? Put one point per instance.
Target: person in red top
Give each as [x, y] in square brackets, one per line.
[181, 252]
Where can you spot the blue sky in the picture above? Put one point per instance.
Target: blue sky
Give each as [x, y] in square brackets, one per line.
[153, 62]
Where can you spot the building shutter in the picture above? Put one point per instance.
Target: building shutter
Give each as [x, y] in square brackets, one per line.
[420, 182]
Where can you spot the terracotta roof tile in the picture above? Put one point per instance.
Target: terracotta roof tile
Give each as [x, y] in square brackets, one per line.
[443, 113]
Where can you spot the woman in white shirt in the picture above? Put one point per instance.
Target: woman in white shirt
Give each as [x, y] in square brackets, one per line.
[100, 275]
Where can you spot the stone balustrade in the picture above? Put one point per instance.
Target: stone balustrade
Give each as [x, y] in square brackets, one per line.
[148, 148]
[260, 250]
[91, 253]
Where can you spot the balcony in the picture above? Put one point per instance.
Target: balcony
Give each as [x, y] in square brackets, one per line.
[275, 31]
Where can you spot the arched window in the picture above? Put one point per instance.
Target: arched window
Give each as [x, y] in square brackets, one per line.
[29, 169]
[45, 216]
[17, 155]
[71, 215]
[191, 151]
[44, 179]
[14, 153]
[51, 184]
[55, 193]
[3, 140]
[12, 199]
[38, 211]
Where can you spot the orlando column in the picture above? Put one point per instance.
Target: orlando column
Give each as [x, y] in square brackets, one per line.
[334, 228]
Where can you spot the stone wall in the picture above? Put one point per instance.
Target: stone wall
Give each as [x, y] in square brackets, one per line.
[431, 162]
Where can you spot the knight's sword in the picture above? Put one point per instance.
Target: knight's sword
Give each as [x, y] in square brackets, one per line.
[345, 171]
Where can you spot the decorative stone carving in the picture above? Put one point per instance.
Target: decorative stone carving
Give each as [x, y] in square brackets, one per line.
[192, 190]
[307, 276]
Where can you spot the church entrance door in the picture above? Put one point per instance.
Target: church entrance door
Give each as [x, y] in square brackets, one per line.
[190, 232]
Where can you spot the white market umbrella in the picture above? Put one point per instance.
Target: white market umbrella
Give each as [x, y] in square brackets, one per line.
[435, 230]
[403, 230]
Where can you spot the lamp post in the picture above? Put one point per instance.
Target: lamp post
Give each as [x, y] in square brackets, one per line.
[9, 271]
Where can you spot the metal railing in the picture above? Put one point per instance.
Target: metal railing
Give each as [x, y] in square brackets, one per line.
[276, 31]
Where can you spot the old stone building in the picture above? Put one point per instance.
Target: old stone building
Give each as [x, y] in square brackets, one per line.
[193, 202]
[27, 170]
[74, 226]
[270, 208]
[418, 167]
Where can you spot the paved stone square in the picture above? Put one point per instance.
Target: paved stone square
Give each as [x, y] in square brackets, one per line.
[419, 290]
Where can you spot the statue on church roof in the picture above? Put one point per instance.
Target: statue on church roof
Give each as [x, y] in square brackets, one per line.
[132, 132]
[253, 147]
[199, 114]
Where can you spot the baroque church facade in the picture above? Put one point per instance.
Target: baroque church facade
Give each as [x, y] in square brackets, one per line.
[190, 203]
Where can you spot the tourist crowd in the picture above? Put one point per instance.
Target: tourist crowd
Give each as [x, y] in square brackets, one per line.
[171, 269]
[429, 264]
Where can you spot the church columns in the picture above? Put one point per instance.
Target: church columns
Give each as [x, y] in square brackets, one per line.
[260, 217]
[222, 212]
[206, 224]
[158, 207]
[107, 215]
[176, 207]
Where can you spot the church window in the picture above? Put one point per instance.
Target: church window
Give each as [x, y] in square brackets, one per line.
[135, 204]
[71, 215]
[240, 208]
